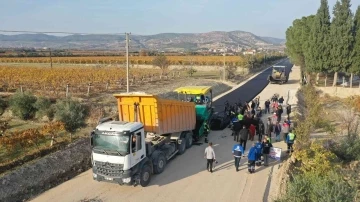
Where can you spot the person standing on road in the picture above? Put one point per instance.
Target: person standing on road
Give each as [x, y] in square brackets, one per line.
[279, 112]
[285, 130]
[281, 100]
[267, 138]
[288, 110]
[290, 141]
[236, 128]
[253, 104]
[274, 118]
[267, 107]
[237, 152]
[277, 131]
[259, 151]
[257, 102]
[269, 127]
[244, 135]
[252, 130]
[261, 129]
[252, 158]
[266, 146]
[210, 157]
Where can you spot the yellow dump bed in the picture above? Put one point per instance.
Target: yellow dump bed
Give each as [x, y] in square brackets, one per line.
[160, 116]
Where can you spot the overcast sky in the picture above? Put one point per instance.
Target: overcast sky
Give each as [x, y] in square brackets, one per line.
[261, 17]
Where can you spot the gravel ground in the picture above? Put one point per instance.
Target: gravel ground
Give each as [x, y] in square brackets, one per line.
[35, 177]
[42, 174]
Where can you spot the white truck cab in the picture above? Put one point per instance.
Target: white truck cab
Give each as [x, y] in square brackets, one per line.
[117, 147]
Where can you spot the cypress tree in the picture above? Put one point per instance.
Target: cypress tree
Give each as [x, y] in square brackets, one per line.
[318, 46]
[341, 32]
[297, 37]
[355, 66]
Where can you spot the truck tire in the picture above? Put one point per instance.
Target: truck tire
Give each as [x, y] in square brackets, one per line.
[160, 164]
[189, 140]
[145, 175]
[182, 146]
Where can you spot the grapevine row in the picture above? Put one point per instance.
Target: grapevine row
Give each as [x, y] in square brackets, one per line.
[136, 60]
[22, 140]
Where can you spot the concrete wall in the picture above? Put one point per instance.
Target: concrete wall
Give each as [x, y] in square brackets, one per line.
[340, 91]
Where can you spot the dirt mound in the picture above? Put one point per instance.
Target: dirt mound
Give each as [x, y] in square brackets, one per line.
[34, 178]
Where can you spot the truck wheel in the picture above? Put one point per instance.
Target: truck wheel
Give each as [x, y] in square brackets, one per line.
[145, 175]
[160, 164]
[182, 146]
[189, 140]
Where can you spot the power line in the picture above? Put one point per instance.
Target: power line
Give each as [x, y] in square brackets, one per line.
[37, 32]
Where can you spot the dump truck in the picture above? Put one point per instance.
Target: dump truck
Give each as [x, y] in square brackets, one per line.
[202, 97]
[149, 133]
[278, 75]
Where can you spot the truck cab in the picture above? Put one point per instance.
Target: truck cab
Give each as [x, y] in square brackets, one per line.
[117, 147]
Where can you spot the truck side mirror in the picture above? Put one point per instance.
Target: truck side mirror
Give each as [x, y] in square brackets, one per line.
[92, 134]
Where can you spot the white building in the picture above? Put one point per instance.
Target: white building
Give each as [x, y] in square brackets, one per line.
[249, 52]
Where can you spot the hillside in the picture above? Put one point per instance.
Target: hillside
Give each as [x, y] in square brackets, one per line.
[162, 42]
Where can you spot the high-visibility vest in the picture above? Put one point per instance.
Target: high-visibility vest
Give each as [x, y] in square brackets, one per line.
[240, 117]
[291, 136]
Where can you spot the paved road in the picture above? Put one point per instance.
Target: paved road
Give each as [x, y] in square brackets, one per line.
[250, 89]
[184, 178]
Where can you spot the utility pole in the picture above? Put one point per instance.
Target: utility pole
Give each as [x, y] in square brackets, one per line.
[224, 76]
[50, 58]
[127, 61]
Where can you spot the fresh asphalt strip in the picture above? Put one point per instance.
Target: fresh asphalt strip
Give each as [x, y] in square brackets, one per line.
[250, 89]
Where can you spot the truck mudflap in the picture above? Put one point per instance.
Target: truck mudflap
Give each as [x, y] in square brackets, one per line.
[125, 179]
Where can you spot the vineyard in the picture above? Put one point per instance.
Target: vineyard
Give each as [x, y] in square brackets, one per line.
[14, 144]
[55, 82]
[136, 60]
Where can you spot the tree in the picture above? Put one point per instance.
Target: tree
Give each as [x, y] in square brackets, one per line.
[355, 66]
[162, 62]
[297, 42]
[318, 52]
[71, 113]
[341, 32]
[22, 105]
[44, 108]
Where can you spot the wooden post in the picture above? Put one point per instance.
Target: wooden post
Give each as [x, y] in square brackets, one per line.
[325, 79]
[88, 90]
[67, 90]
[21, 89]
[107, 85]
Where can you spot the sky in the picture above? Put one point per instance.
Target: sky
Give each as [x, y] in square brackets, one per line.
[144, 17]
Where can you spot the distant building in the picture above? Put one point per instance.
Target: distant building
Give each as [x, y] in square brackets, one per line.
[249, 52]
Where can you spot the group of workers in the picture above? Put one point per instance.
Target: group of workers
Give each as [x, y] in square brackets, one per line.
[246, 123]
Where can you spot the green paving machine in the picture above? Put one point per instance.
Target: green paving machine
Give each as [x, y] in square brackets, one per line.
[202, 97]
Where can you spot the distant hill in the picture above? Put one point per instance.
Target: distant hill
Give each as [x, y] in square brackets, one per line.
[161, 42]
[275, 41]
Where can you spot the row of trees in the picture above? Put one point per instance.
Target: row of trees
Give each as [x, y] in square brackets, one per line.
[319, 44]
[247, 61]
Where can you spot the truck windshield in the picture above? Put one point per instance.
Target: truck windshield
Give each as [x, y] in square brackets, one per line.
[115, 144]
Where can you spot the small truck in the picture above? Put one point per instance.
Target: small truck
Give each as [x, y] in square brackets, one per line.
[149, 133]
